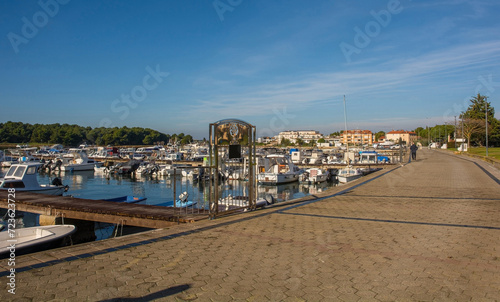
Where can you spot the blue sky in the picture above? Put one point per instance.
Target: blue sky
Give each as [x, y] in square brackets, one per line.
[176, 66]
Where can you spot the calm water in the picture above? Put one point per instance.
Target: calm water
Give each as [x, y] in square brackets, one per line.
[160, 189]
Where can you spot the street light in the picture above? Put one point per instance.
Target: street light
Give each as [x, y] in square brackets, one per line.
[486, 104]
[446, 133]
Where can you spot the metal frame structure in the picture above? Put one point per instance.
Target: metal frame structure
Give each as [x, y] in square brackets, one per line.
[225, 133]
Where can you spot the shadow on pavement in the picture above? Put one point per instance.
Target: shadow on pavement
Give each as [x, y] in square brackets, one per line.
[153, 296]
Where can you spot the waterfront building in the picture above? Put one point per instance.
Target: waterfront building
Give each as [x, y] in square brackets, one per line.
[305, 135]
[358, 137]
[333, 140]
[406, 136]
[265, 140]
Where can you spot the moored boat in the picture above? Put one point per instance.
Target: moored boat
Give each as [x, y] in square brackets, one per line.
[182, 202]
[278, 169]
[23, 178]
[314, 175]
[78, 162]
[349, 174]
[127, 199]
[28, 240]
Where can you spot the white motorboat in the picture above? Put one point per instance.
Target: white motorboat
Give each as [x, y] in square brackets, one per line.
[6, 161]
[32, 239]
[23, 178]
[102, 170]
[314, 175]
[78, 162]
[230, 203]
[278, 169]
[190, 174]
[349, 174]
[147, 169]
[165, 170]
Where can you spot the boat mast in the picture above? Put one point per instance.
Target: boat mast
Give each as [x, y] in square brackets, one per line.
[345, 126]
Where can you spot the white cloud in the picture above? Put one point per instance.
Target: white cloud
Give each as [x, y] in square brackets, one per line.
[382, 83]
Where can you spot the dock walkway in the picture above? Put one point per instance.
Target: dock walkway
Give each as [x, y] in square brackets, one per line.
[148, 216]
[428, 230]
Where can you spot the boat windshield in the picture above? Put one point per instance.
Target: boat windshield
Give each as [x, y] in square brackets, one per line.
[20, 171]
[11, 171]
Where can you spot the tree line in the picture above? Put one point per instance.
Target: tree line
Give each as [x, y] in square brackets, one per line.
[471, 125]
[74, 135]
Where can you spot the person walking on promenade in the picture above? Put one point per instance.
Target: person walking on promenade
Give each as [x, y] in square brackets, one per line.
[413, 150]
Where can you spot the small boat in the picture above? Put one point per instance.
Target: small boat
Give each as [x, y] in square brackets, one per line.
[182, 202]
[314, 175]
[230, 202]
[178, 204]
[147, 169]
[189, 174]
[127, 199]
[78, 161]
[278, 169]
[23, 178]
[102, 169]
[125, 168]
[349, 174]
[33, 239]
[7, 161]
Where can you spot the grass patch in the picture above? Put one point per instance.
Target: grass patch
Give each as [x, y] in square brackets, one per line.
[492, 152]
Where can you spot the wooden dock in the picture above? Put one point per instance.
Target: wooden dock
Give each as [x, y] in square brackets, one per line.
[148, 216]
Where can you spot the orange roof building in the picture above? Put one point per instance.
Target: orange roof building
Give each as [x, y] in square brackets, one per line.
[406, 136]
[357, 137]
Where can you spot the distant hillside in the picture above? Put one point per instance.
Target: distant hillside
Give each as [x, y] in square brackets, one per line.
[73, 135]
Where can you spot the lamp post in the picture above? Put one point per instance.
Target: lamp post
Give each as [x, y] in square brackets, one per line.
[455, 134]
[486, 104]
[446, 133]
[428, 136]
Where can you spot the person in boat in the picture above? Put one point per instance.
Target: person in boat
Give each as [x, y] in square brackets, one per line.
[413, 150]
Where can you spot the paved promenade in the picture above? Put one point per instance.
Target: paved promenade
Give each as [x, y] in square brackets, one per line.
[425, 231]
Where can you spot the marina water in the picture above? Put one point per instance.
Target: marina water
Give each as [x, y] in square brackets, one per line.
[157, 190]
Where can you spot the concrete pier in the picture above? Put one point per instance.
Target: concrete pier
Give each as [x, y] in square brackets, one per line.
[426, 230]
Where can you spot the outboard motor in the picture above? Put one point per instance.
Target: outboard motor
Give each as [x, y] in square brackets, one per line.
[57, 165]
[57, 182]
[183, 197]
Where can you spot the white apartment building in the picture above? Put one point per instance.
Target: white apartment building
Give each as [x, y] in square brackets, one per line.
[305, 135]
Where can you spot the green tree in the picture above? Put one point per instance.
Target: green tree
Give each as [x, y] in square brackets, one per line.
[285, 142]
[474, 122]
[73, 135]
[186, 140]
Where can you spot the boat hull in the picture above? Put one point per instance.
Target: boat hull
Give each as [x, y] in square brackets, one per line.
[348, 178]
[34, 239]
[84, 167]
[59, 190]
[127, 199]
[276, 179]
[178, 204]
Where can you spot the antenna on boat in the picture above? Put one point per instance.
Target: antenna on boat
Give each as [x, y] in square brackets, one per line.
[345, 126]
[345, 119]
